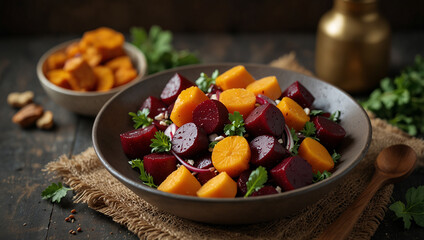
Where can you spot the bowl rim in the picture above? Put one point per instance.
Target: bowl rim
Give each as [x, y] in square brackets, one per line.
[272, 197]
[128, 47]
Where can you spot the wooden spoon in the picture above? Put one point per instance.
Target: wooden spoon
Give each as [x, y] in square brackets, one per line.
[392, 164]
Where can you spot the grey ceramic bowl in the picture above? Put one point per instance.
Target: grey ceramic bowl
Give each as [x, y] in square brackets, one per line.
[87, 103]
[113, 119]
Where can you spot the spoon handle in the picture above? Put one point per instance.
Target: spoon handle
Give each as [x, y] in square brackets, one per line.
[342, 227]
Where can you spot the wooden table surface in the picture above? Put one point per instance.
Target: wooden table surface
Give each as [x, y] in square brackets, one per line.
[23, 153]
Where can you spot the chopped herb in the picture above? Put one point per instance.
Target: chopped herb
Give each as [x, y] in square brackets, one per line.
[161, 143]
[212, 144]
[141, 118]
[55, 192]
[335, 156]
[157, 47]
[236, 127]
[145, 177]
[401, 100]
[308, 130]
[335, 116]
[316, 112]
[204, 82]
[321, 176]
[294, 150]
[257, 179]
[414, 209]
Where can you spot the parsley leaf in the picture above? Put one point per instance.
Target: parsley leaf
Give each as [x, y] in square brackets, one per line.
[294, 150]
[316, 112]
[335, 116]
[321, 176]
[309, 129]
[212, 144]
[145, 177]
[236, 127]
[161, 143]
[257, 179]
[55, 191]
[204, 82]
[157, 47]
[141, 118]
[414, 209]
[401, 100]
[335, 156]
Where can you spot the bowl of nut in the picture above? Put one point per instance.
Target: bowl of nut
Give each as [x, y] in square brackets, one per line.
[81, 75]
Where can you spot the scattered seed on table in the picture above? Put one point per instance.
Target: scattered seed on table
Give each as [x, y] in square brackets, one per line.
[79, 229]
[73, 211]
[71, 216]
[67, 219]
[24, 224]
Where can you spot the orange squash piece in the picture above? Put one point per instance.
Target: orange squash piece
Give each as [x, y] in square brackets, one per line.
[56, 61]
[72, 50]
[105, 78]
[180, 181]
[85, 80]
[238, 99]
[107, 41]
[231, 155]
[220, 186]
[316, 155]
[293, 113]
[236, 77]
[119, 62]
[124, 76]
[267, 86]
[60, 78]
[186, 102]
[92, 57]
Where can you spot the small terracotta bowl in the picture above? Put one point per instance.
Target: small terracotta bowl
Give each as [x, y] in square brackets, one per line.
[87, 103]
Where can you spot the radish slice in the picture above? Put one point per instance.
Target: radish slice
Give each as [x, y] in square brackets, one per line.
[170, 131]
[188, 166]
[262, 99]
[290, 142]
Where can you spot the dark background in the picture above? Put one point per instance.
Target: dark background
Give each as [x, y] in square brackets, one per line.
[25, 17]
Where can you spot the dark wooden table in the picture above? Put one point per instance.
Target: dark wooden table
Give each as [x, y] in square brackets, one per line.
[23, 153]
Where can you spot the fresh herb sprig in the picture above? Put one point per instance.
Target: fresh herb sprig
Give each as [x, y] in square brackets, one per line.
[257, 179]
[161, 143]
[318, 176]
[295, 148]
[236, 127]
[141, 118]
[309, 130]
[316, 112]
[335, 116]
[401, 101]
[55, 192]
[335, 156]
[157, 47]
[414, 208]
[204, 81]
[145, 177]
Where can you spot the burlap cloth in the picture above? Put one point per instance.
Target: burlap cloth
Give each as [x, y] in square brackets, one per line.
[94, 185]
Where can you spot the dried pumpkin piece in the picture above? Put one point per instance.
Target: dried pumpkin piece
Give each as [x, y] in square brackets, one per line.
[119, 62]
[105, 78]
[124, 75]
[108, 42]
[60, 78]
[56, 60]
[83, 74]
[72, 50]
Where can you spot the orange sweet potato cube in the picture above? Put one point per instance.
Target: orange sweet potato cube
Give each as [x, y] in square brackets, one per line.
[119, 62]
[56, 60]
[92, 57]
[83, 74]
[60, 78]
[108, 42]
[124, 75]
[105, 78]
[72, 50]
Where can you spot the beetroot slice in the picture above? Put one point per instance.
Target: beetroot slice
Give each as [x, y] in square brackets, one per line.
[267, 151]
[241, 183]
[154, 105]
[211, 115]
[265, 190]
[204, 162]
[136, 143]
[189, 140]
[299, 94]
[294, 172]
[174, 87]
[159, 126]
[266, 119]
[329, 132]
[159, 165]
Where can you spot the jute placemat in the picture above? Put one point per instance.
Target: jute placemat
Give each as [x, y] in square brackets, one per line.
[97, 188]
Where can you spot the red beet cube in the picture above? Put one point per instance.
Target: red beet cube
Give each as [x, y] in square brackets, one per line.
[241, 183]
[267, 151]
[299, 94]
[190, 140]
[159, 165]
[265, 190]
[294, 172]
[266, 119]
[204, 162]
[174, 87]
[211, 115]
[154, 105]
[136, 143]
[329, 132]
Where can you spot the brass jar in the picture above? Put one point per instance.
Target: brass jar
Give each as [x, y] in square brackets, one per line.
[353, 45]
